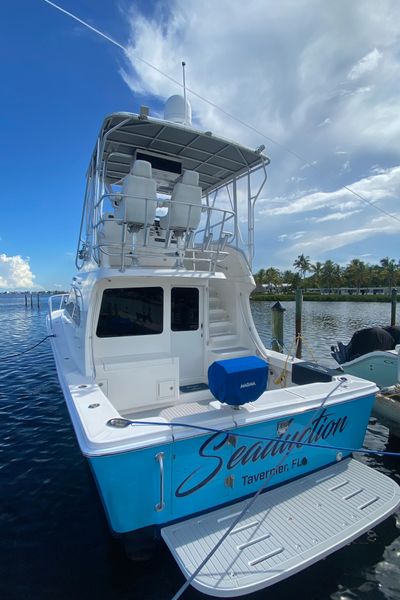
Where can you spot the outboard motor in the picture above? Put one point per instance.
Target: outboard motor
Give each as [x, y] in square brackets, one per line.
[365, 341]
[236, 381]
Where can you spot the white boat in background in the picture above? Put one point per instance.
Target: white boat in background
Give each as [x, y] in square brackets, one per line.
[374, 353]
[180, 410]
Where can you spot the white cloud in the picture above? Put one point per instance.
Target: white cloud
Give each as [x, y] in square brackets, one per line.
[368, 63]
[339, 216]
[15, 273]
[325, 122]
[385, 226]
[373, 188]
[283, 68]
[297, 235]
[345, 167]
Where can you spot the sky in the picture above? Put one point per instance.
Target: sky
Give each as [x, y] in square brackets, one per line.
[316, 79]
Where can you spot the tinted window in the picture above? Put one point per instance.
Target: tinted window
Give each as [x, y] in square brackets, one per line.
[184, 309]
[131, 311]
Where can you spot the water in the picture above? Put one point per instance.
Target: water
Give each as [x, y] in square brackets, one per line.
[54, 541]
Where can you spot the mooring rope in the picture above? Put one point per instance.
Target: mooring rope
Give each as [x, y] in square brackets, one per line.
[260, 437]
[249, 503]
[28, 349]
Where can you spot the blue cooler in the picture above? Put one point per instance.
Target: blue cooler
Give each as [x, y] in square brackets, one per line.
[236, 381]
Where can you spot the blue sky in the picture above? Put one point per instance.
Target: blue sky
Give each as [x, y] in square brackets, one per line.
[321, 78]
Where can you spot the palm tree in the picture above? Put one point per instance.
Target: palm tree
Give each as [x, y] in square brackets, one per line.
[356, 271]
[273, 275]
[389, 270]
[302, 264]
[330, 272]
[317, 270]
[259, 277]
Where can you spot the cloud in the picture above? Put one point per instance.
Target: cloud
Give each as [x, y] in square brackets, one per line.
[339, 216]
[379, 226]
[346, 167]
[297, 235]
[376, 187]
[288, 70]
[15, 273]
[325, 122]
[368, 63]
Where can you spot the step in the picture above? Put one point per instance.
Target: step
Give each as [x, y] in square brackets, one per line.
[220, 327]
[230, 352]
[223, 340]
[214, 303]
[284, 531]
[217, 314]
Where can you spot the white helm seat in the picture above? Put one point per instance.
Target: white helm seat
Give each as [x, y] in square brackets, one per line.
[184, 211]
[138, 200]
[109, 239]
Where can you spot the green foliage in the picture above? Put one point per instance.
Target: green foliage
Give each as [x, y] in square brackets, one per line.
[327, 275]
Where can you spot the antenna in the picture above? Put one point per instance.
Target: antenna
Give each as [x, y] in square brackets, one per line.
[184, 90]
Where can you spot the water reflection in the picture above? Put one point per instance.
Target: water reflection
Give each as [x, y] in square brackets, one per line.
[54, 539]
[324, 323]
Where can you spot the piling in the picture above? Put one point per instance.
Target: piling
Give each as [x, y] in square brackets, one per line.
[299, 310]
[31, 300]
[38, 300]
[26, 301]
[393, 307]
[277, 326]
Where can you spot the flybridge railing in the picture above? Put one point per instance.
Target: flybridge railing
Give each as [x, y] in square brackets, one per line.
[97, 190]
[124, 242]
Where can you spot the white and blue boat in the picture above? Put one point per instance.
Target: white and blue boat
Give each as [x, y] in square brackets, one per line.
[374, 353]
[181, 411]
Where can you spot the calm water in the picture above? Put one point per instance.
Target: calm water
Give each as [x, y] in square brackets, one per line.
[54, 541]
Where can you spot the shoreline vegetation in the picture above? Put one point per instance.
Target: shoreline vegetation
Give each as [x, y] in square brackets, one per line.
[257, 296]
[329, 282]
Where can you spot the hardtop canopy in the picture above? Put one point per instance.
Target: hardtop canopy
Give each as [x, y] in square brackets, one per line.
[215, 159]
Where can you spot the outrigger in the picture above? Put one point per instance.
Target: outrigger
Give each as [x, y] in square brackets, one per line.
[181, 411]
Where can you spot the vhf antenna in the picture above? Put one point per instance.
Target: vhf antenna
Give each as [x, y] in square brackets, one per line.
[184, 90]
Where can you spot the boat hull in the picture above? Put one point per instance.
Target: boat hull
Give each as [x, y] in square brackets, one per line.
[207, 471]
[380, 367]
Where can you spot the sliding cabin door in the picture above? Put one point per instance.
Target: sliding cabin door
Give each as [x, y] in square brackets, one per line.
[187, 332]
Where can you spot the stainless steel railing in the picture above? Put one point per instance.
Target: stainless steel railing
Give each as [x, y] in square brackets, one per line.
[205, 246]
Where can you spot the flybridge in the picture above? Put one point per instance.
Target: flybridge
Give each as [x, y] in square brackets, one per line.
[156, 186]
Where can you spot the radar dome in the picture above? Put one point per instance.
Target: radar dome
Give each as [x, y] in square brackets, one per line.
[175, 110]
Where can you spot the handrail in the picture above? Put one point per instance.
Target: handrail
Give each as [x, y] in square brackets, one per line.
[51, 309]
[186, 238]
[161, 504]
[212, 223]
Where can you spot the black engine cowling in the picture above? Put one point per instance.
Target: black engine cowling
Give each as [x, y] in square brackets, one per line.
[365, 341]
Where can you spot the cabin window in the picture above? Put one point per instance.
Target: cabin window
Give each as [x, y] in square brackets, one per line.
[184, 309]
[131, 311]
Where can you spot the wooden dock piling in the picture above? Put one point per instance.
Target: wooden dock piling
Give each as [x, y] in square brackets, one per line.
[393, 307]
[277, 326]
[299, 310]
